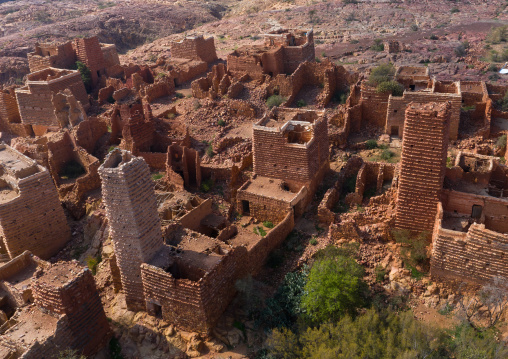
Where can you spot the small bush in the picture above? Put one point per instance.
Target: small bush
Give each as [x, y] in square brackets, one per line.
[301, 103]
[382, 73]
[460, 51]
[157, 176]
[86, 75]
[380, 273]
[371, 144]
[413, 250]
[221, 123]
[434, 37]
[498, 35]
[414, 27]
[493, 68]
[179, 95]
[209, 151]
[275, 100]
[378, 45]
[393, 87]
[454, 10]
[207, 185]
[386, 155]
[268, 224]
[501, 142]
[259, 231]
[92, 263]
[313, 241]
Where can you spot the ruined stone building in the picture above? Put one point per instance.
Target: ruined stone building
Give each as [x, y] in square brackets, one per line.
[195, 48]
[96, 56]
[36, 98]
[127, 190]
[31, 217]
[282, 52]
[10, 120]
[470, 238]
[67, 314]
[422, 165]
[290, 159]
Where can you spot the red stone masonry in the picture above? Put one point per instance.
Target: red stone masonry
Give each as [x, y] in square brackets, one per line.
[31, 216]
[423, 164]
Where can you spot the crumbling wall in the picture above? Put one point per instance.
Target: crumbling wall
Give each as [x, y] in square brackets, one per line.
[61, 56]
[185, 163]
[374, 105]
[217, 82]
[78, 300]
[131, 207]
[195, 48]
[476, 256]
[423, 163]
[89, 52]
[325, 213]
[194, 304]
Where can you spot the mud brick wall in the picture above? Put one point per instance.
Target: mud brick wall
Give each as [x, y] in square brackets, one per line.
[9, 111]
[189, 71]
[61, 56]
[34, 220]
[154, 160]
[131, 208]
[240, 65]
[158, 90]
[495, 210]
[79, 300]
[423, 163]
[295, 55]
[263, 207]
[89, 52]
[196, 48]
[398, 105]
[275, 157]
[195, 305]
[476, 256]
[137, 135]
[88, 133]
[374, 106]
[192, 220]
[259, 252]
[325, 213]
[35, 102]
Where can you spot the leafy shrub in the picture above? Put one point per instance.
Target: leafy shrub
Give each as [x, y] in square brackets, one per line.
[386, 155]
[259, 231]
[207, 185]
[86, 75]
[221, 123]
[378, 45]
[380, 273]
[179, 95]
[92, 263]
[393, 87]
[157, 176]
[209, 151]
[268, 224]
[335, 287]
[313, 241]
[371, 144]
[275, 100]
[382, 73]
[414, 248]
[460, 50]
[434, 37]
[414, 27]
[301, 103]
[497, 35]
[501, 142]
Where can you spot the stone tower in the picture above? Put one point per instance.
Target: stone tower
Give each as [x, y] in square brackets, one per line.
[423, 165]
[131, 208]
[67, 289]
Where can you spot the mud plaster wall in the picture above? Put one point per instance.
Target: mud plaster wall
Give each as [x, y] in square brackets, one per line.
[79, 300]
[192, 305]
[34, 220]
[131, 207]
[192, 220]
[424, 151]
[476, 256]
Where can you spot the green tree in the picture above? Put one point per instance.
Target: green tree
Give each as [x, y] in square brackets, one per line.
[382, 73]
[335, 287]
[392, 87]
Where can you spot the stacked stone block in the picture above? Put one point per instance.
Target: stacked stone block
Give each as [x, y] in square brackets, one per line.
[131, 207]
[195, 48]
[89, 52]
[67, 288]
[423, 164]
[33, 218]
